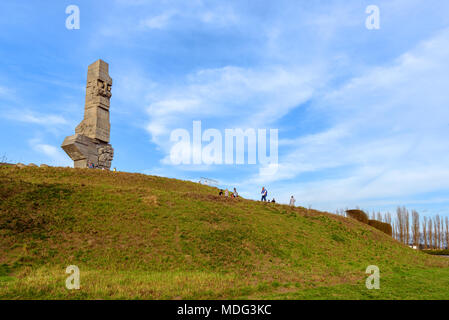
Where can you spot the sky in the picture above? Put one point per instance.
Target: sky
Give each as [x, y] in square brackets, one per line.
[362, 114]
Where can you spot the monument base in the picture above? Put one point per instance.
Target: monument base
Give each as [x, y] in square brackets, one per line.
[84, 150]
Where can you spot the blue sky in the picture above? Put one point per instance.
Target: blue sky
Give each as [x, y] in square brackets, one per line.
[363, 115]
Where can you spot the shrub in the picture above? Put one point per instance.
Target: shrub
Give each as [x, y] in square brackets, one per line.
[363, 217]
[444, 252]
[358, 215]
[382, 226]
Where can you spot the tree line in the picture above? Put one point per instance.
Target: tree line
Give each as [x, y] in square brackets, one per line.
[409, 228]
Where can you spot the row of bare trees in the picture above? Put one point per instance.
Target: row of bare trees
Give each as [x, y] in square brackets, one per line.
[408, 228]
[428, 233]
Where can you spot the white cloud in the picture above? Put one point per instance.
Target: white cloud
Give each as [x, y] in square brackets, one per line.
[48, 150]
[52, 155]
[157, 22]
[36, 118]
[161, 15]
[233, 97]
[220, 16]
[217, 16]
[7, 94]
[4, 92]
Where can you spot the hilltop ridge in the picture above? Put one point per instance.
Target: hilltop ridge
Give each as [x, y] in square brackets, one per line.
[139, 236]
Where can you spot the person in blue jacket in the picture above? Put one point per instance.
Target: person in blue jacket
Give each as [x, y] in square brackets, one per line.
[264, 194]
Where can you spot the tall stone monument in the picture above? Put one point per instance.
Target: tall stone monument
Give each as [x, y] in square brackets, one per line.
[90, 143]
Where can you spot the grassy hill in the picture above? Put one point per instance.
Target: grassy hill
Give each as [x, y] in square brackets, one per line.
[139, 236]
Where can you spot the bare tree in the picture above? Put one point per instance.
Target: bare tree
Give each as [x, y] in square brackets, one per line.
[415, 227]
[435, 233]
[400, 224]
[429, 232]
[379, 217]
[439, 231]
[424, 232]
[407, 226]
[387, 217]
[403, 224]
[393, 230]
[436, 227]
[447, 232]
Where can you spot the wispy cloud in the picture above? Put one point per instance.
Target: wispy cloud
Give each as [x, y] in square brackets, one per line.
[233, 96]
[7, 94]
[163, 16]
[28, 116]
[388, 137]
[157, 22]
[52, 155]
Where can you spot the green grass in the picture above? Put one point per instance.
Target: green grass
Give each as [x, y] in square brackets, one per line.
[135, 236]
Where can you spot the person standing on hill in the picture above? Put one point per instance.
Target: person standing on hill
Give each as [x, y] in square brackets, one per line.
[236, 195]
[226, 192]
[264, 194]
[292, 201]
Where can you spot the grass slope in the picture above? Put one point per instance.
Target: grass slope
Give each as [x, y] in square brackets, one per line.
[139, 236]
